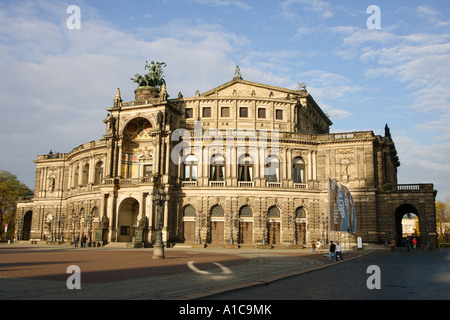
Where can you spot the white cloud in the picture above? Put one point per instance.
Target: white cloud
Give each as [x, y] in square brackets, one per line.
[428, 13]
[57, 83]
[225, 3]
[424, 163]
[321, 8]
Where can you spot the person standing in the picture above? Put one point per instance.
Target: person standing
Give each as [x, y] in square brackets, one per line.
[393, 245]
[77, 238]
[318, 245]
[338, 251]
[332, 250]
[313, 245]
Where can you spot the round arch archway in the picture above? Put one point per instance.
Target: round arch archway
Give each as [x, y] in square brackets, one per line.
[401, 210]
[127, 219]
[137, 149]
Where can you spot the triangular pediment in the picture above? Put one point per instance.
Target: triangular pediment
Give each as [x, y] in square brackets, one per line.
[243, 88]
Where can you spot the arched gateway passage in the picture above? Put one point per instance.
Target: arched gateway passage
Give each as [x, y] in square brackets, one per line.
[404, 209]
[26, 225]
[128, 218]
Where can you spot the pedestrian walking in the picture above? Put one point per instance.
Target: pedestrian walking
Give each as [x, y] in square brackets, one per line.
[338, 251]
[313, 245]
[332, 250]
[318, 245]
[83, 241]
[414, 241]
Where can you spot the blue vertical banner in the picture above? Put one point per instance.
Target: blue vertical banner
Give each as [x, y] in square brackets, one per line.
[350, 212]
[341, 209]
[334, 217]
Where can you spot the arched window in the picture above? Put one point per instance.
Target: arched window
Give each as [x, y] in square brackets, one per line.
[272, 169]
[98, 173]
[217, 211]
[300, 213]
[137, 138]
[245, 168]
[246, 211]
[85, 177]
[76, 169]
[189, 211]
[190, 168]
[217, 168]
[273, 212]
[94, 212]
[298, 170]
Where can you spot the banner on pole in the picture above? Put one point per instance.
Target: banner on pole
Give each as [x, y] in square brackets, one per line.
[341, 209]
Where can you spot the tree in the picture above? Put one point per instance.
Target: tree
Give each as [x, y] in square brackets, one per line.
[443, 220]
[11, 190]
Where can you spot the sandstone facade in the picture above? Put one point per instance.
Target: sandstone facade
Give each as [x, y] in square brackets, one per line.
[242, 164]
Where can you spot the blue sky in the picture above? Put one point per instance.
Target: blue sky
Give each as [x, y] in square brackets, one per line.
[55, 83]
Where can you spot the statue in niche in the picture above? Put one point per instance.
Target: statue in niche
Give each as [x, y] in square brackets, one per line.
[345, 170]
[160, 119]
[143, 223]
[168, 117]
[51, 184]
[110, 122]
[104, 223]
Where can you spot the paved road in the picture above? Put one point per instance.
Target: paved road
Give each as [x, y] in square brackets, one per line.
[418, 275]
[40, 272]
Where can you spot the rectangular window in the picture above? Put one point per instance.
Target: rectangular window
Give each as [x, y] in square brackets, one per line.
[243, 112]
[190, 172]
[124, 230]
[279, 114]
[261, 113]
[225, 112]
[206, 112]
[148, 170]
[189, 113]
[271, 173]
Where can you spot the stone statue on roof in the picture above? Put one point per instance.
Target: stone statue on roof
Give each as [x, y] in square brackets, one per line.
[301, 86]
[154, 77]
[237, 73]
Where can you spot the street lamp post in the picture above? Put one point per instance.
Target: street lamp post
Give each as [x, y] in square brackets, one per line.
[89, 221]
[74, 221]
[200, 224]
[263, 223]
[230, 220]
[63, 221]
[160, 197]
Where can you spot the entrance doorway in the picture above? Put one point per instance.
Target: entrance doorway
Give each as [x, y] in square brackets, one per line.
[273, 233]
[189, 231]
[301, 232]
[128, 217]
[217, 232]
[245, 232]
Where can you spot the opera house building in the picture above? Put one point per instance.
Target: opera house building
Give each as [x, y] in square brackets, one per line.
[243, 164]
